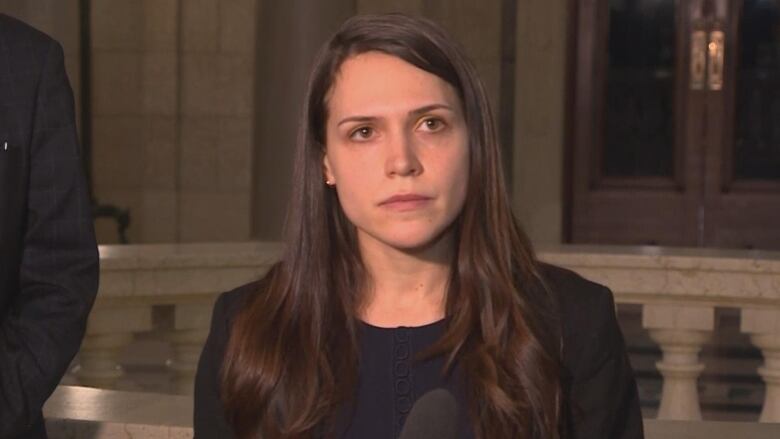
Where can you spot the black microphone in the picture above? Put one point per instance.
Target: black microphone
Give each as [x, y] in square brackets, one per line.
[433, 416]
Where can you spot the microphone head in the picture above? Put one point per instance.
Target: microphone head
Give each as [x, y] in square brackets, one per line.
[433, 416]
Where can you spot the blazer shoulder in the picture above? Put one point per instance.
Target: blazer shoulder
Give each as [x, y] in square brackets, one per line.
[223, 314]
[229, 303]
[208, 413]
[574, 293]
[18, 33]
[586, 310]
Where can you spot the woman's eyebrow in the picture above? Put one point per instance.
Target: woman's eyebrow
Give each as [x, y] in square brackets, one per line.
[431, 107]
[356, 119]
[415, 112]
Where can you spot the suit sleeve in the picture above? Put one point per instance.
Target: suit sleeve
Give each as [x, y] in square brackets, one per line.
[44, 325]
[604, 397]
[208, 418]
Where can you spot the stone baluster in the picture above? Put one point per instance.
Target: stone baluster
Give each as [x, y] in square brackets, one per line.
[763, 325]
[191, 328]
[680, 331]
[109, 330]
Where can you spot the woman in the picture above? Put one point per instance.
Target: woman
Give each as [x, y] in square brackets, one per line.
[405, 272]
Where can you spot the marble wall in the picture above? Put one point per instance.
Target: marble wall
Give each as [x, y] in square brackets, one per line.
[173, 102]
[539, 120]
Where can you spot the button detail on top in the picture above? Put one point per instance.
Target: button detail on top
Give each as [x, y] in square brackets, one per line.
[401, 369]
[402, 351]
[404, 404]
[401, 374]
[402, 387]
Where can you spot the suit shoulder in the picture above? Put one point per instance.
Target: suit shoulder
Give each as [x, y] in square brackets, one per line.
[573, 292]
[231, 302]
[20, 34]
[587, 314]
[584, 306]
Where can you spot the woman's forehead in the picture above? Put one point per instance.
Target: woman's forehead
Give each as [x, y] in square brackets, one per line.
[380, 83]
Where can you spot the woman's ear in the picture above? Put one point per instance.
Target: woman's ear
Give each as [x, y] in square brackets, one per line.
[330, 179]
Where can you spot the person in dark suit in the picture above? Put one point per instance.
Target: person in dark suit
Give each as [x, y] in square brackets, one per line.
[48, 254]
[405, 273]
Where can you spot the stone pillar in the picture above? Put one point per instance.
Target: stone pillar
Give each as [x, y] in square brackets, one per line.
[680, 331]
[289, 34]
[540, 115]
[191, 328]
[763, 325]
[109, 330]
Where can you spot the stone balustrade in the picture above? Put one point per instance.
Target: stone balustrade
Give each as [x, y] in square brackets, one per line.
[136, 278]
[81, 412]
[678, 289]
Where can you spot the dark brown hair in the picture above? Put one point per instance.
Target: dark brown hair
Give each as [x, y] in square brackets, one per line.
[292, 355]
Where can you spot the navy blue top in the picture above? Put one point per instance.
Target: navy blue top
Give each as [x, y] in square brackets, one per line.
[599, 388]
[390, 380]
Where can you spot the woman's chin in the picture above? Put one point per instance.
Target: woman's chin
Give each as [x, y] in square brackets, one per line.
[412, 241]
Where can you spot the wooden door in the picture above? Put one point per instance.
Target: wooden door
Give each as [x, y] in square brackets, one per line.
[742, 178]
[635, 173]
[676, 131]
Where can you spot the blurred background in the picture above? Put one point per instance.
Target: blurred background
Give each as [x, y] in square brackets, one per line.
[645, 122]
[653, 124]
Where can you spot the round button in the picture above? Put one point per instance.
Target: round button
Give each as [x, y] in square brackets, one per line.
[401, 369]
[404, 404]
[402, 335]
[402, 351]
[402, 387]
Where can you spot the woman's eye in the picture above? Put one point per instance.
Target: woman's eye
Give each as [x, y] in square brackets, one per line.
[432, 124]
[362, 133]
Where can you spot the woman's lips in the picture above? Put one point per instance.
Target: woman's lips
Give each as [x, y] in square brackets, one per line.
[404, 202]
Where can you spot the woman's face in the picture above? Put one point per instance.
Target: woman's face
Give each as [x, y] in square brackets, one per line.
[396, 150]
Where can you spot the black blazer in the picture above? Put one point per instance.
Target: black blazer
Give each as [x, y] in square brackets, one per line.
[600, 391]
[48, 255]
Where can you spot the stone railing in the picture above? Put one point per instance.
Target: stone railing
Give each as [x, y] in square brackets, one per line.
[136, 279]
[82, 412]
[677, 288]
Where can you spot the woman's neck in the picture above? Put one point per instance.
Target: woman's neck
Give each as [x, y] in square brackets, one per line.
[405, 288]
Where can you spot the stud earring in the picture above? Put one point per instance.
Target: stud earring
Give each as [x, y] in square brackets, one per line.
[330, 183]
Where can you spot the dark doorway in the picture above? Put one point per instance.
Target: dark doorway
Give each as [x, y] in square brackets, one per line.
[676, 123]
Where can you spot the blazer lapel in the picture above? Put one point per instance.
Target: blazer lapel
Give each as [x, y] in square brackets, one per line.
[13, 185]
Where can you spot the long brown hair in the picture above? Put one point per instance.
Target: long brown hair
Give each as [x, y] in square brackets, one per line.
[292, 355]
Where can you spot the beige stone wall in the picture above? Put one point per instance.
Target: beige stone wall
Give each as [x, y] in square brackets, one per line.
[134, 104]
[217, 92]
[537, 186]
[172, 114]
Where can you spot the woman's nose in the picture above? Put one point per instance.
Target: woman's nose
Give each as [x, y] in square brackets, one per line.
[402, 159]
